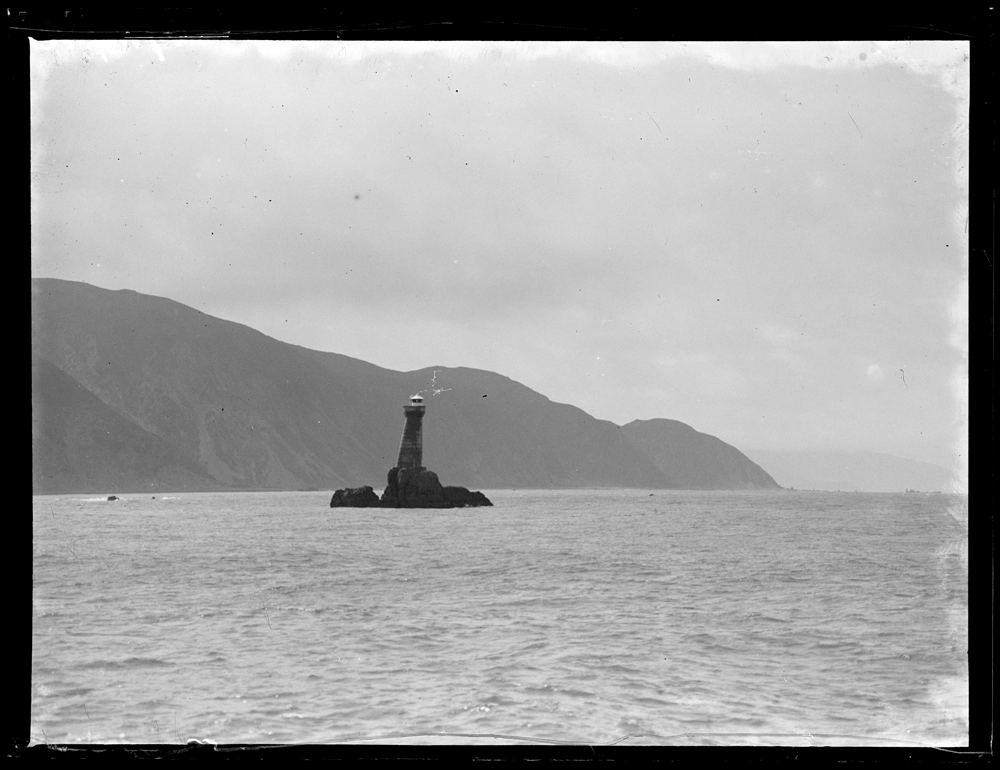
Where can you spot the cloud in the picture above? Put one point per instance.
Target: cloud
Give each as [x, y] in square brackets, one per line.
[511, 197]
[875, 372]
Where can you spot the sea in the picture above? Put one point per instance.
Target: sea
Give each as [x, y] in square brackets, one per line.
[590, 617]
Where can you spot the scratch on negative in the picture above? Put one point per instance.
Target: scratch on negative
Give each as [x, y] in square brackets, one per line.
[655, 123]
[856, 125]
[266, 617]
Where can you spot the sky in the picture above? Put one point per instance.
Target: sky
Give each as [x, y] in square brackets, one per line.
[765, 241]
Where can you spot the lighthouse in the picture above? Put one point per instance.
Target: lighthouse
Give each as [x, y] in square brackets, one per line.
[411, 447]
[409, 484]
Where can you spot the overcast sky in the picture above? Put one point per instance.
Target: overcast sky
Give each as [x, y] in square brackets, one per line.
[762, 241]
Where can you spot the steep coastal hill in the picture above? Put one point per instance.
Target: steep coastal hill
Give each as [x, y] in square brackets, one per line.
[132, 392]
[85, 446]
[692, 460]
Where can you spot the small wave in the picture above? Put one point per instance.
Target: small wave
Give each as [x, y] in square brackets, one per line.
[655, 702]
[578, 693]
[77, 691]
[618, 668]
[523, 602]
[769, 618]
[498, 700]
[837, 644]
[694, 723]
[129, 663]
[747, 721]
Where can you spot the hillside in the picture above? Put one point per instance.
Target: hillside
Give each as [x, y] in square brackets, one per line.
[85, 446]
[132, 392]
[692, 460]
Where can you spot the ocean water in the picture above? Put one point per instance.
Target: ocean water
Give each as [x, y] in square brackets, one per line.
[591, 617]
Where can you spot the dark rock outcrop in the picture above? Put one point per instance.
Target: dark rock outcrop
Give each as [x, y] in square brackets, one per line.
[460, 497]
[406, 487]
[410, 488]
[359, 497]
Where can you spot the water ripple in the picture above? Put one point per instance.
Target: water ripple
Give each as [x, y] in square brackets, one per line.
[560, 616]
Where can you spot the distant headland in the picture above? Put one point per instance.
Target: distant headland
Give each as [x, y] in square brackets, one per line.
[410, 484]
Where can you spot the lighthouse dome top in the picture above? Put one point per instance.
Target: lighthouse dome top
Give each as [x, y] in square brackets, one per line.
[418, 399]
